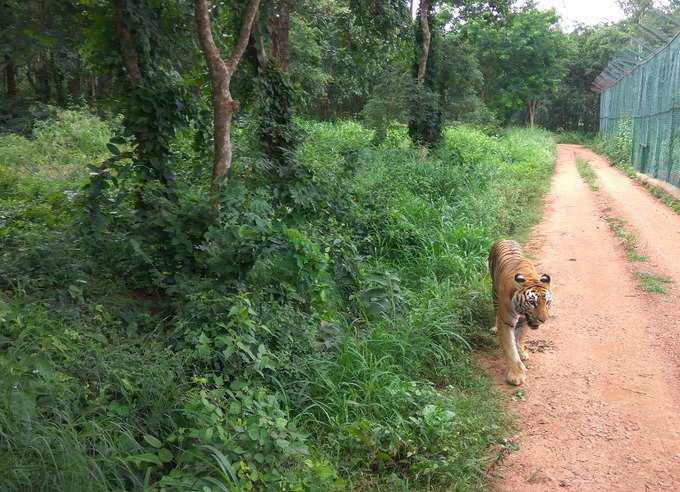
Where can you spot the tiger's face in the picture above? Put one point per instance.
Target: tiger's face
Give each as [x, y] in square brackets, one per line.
[533, 300]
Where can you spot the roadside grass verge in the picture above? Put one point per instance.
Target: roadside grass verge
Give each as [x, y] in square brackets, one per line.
[651, 282]
[646, 281]
[618, 150]
[326, 347]
[587, 174]
[629, 241]
[662, 195]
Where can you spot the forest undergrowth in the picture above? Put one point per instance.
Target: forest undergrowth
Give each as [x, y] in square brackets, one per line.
[317, 341]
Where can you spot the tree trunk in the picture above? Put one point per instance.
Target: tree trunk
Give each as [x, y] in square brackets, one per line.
[10, 77]
[425, 41]
[73, 86]
[531, 109]
[280, 30]
[58, 82]
[31, 80]
[221, 72]
[127, 47]
[44, 81]
[260, 50]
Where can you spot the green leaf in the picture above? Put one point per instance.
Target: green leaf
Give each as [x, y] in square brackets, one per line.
[165, 455]
[282, 443]
[152, 441]
[138, 459]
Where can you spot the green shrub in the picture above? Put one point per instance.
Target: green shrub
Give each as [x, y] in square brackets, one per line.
[619, 146]
[574, 137]
[425, 122]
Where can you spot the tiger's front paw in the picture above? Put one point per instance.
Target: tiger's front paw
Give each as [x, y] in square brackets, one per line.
[517, 375]
[523, 354]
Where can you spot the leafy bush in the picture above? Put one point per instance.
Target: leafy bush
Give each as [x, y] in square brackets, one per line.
[575, 137]
[425, 122]
[619, 146]
[389, 102]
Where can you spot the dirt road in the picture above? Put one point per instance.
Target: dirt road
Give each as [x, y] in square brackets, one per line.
[601, 406]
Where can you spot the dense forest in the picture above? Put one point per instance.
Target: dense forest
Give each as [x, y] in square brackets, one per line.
[485, 63]
[243, 243]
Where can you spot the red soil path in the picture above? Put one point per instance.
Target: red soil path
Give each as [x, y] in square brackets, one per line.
[600, 409]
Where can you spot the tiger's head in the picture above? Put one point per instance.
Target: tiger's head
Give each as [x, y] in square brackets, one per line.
[533, 298]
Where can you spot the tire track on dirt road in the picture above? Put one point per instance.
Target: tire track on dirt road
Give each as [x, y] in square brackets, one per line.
[601, 406]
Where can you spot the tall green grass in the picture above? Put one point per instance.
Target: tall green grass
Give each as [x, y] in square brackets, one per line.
[337, 357]
[402, 395]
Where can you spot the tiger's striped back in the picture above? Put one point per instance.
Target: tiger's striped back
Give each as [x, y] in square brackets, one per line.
[505, 256]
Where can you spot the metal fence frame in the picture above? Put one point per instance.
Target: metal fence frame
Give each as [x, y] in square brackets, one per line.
[646, 93]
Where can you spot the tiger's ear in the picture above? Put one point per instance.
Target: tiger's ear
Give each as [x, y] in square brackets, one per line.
[520, 278]
[545, 278]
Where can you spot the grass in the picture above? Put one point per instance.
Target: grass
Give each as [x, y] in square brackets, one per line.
[662, 195]
[651, 282]
[587, 174]
[325, 348]
[647, 281]
[574, 137]
[630, 242]
[666, 198]
[618, 150]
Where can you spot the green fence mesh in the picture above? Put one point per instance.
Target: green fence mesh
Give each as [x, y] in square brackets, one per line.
[648, 97]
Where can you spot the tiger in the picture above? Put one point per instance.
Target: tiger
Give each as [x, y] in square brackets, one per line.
[521, 297]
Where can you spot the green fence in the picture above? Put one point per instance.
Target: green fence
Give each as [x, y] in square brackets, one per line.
[648, 95]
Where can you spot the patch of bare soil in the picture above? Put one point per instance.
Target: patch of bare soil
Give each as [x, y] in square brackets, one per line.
[601, 405]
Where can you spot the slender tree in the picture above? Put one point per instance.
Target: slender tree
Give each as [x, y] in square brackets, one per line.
[127, 49]
[280, 29]
[425, 40]
[221, 72]
[425, 118]
[10, 77]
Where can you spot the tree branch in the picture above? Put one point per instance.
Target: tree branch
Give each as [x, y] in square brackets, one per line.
[212, 55]
[244, 34]
[258, 41]
[220, 80]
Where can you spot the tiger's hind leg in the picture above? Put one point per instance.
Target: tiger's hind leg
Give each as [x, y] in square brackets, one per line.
[516, 372]
[521, 331]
